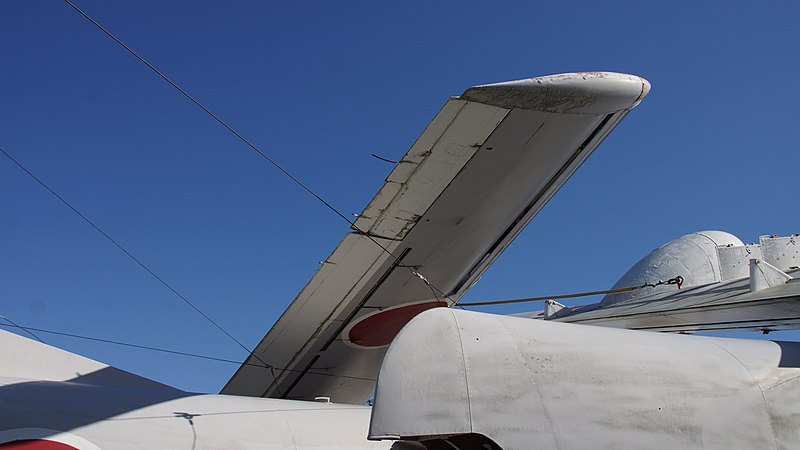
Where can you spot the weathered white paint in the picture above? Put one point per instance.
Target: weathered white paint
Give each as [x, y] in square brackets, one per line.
[428, 167]
[734, 260]
[718, 292]
[764, 275]
[782, 252]
[568, 93]
[728, 305]
[536, 384]
[59, 396]
[693, 257]
[482, 169]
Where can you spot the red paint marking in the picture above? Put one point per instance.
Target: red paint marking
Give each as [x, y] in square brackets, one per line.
[35, 444]
[379, 329]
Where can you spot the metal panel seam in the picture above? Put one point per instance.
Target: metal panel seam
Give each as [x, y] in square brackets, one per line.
[419, 165]
[760, 390]
[466, 373]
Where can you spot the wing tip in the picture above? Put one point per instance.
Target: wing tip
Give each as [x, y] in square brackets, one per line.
[569, 93]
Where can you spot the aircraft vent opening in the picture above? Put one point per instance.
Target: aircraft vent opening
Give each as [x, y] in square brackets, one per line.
[694, 257]
[469, 441]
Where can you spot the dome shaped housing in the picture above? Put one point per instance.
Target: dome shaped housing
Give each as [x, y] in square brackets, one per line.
[693, 257]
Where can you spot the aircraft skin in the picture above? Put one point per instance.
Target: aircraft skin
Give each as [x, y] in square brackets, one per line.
[519, 383]
[119, 418]
[87, 405]
[725, 285]
[483, 168]
[486, 164]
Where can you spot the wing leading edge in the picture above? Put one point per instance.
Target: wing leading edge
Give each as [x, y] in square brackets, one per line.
[485, 165]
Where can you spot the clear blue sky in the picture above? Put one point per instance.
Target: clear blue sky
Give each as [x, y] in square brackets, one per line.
[320, 87]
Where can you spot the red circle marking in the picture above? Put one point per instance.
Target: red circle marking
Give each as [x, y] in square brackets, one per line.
[35, 444]
[379, 329]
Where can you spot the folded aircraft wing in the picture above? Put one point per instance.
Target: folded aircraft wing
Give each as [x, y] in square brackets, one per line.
[485, 165]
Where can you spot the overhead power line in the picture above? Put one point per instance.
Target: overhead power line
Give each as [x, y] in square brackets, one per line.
[14, 324]
[677, 281]
[128, 253]
[253, 147]
[161, 350]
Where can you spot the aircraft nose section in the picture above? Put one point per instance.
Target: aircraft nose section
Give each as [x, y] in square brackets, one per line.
[570, 93]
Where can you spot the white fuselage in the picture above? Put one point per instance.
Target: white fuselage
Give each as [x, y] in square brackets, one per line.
[86, 415]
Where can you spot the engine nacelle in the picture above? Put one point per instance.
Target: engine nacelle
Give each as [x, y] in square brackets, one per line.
[467, 380]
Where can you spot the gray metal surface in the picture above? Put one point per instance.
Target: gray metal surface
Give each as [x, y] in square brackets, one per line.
[480, 171]
[535, 384]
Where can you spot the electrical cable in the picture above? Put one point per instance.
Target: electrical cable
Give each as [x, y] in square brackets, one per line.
[163, 350]
[248, 143]
[678, 281]
[21, 328]
[130, 255]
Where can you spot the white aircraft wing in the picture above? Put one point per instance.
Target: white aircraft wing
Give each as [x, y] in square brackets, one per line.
[485, 165]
